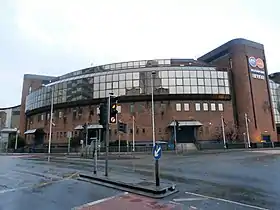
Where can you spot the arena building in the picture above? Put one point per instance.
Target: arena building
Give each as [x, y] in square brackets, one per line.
[221, 87]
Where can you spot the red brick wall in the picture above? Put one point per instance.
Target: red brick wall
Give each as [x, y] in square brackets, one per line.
[35, 84]
[263, 122]
[164, 114]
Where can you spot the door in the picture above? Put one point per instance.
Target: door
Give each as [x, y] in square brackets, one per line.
[266, 138]
[186, 135]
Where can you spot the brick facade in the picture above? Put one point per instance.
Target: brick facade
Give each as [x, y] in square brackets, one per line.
[30, 83]
[165, 112]
[252, 95]
[248, 95]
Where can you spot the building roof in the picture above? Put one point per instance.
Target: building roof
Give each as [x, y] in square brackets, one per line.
[40, 77]
[11, 107]
[223, 49]
[275, 77]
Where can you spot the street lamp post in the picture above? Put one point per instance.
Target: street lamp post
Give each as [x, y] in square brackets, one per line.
[51, 121]
[247, 130]
[16, 143]
[153, 108]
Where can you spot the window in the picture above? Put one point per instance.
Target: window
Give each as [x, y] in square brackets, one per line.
[220, 107]
[213, 107]
[178, 107]
[197, 106]
[60, 115]
[74, 114]
[29, 90]
[205, 106]
[143, 130]
[186, 107]
[131, 108]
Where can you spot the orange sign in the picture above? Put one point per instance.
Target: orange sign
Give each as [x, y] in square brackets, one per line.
[260, 63]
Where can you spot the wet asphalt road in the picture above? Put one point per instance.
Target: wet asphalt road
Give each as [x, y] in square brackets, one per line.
[26, 184]
[236, 180]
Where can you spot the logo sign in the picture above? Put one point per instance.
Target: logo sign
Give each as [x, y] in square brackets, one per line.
[252, 61]
[256, 62]
[157, 151]
[258, 76]
[260, 63]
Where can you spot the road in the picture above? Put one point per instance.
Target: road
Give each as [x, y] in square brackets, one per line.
[29, 183]
[236, 180]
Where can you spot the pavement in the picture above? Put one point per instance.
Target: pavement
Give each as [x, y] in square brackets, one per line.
[236, 180]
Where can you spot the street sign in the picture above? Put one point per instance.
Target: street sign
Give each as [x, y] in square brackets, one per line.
[157, 151]
[113, 119]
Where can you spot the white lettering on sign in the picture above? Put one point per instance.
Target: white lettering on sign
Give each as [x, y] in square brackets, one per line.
[257, 71]
[257, 76]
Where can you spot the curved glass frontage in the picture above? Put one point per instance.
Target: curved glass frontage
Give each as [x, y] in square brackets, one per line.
[167, 80]
[275, 96]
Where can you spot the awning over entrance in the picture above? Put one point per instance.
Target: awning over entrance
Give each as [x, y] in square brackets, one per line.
[92, 126]
[8, 130]
[33, 131]
[95, 126]
[188, 123]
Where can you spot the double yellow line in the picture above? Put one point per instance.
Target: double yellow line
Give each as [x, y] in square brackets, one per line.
[43, 184]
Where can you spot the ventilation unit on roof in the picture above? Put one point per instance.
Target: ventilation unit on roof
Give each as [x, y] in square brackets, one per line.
[152, 63]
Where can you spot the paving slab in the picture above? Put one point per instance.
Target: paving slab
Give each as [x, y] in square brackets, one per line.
[129, 201]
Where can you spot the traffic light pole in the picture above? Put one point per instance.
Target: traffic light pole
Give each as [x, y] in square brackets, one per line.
[107, 135]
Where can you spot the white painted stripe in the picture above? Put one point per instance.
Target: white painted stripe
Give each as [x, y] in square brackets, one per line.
[227, 201]
[37, 185]
[98, 201]
[13, 189]
[188, 199]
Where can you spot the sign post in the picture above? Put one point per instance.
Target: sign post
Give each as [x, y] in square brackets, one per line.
[157, 150]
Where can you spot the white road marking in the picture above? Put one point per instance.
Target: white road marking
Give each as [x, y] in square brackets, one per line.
[227, 201]
[37, 185]
[13, 189]
[272, 152]
[98, 201]
[188, 199]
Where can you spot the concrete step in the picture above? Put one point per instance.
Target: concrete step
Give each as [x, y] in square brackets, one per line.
[186, 147]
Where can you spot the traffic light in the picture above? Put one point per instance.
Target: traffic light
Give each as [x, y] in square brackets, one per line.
[122, 127]
[113, 110]
[103, 114]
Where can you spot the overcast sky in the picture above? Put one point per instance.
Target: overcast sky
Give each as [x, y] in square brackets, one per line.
[55, 37]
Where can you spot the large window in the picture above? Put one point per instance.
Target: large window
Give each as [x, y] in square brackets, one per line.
[197, 106]
[178, 107]
[167, 80]
[205, 106]
[275, 97]
[220, 107]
